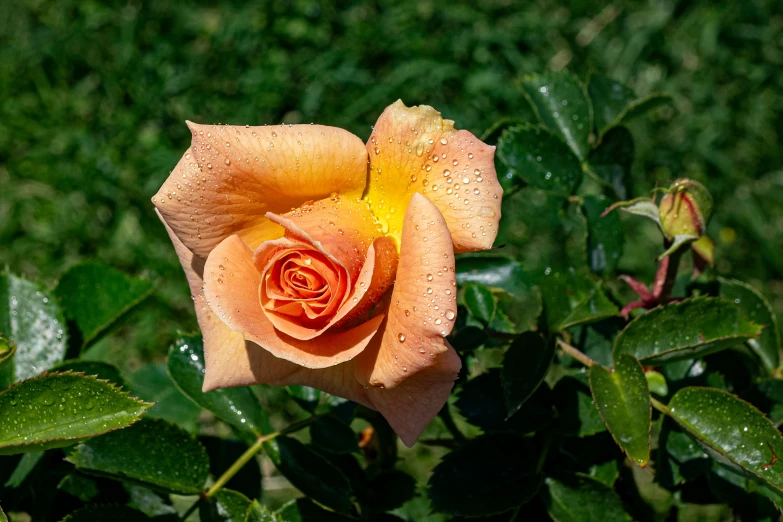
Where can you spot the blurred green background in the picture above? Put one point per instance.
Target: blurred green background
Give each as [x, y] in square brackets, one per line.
[93, 98]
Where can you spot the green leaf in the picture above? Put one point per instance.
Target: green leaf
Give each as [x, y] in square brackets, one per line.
[678, 458]
[582, 499]
[95, 296]
[101, 370]
[657, 383]
[480, 302]
[148, 502]
[108, 513]
[733, 432]
[153, 453]
[391, 489]
[540, 159]
[525, 365]
[756, 309]
[79, 486]
[260, 513]
[573, 297]
[518, 301]
[605, 239]
[678, 242]
[488, 475]
[7, 352]
[237, 406]
[610, 98]
[153, 384]
[540, 231]
[614, 103]
[311, 474]
[481, 402]
[611, 160]
[225, 506]
[23, 468]
[305, 510]
[560, 101]
[3, 518]
[606, 472]
[645, 207]
[31, 318]
[334, 436]
[623, 400]
[577, 415]
[60, 409]
[307, 397]
[686, 330]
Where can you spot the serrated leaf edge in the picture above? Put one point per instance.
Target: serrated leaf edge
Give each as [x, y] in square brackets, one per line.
[118, 389]
[732, 396]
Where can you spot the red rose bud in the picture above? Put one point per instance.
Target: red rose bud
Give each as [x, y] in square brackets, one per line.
[685, 209]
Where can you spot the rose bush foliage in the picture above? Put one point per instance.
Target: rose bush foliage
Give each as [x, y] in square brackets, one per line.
[357, 282]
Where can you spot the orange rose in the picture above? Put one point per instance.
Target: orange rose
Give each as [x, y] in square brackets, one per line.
[317, 261]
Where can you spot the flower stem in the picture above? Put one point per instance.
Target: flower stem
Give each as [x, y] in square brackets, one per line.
[575, 353]
[661, 407]
[245, 458]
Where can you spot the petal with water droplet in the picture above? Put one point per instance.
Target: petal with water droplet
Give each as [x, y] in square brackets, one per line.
[426, 251]
[409, 139]
[270, 169]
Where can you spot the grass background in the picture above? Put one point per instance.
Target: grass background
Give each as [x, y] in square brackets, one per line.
[93, 98]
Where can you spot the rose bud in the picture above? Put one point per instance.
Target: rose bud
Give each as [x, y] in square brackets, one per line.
[685, 209]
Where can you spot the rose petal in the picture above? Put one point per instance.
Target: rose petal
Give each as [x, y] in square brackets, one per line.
[230, 177]
[342, 228]
[231, 288]
[413, 149]
[229, 359]
[348, 234]
[410, 406]
[423, 302]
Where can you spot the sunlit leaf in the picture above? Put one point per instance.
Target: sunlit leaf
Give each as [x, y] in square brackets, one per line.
[59, 409]
[95, 296]
[236, 406]
[540, 159]
[692, 328]
[152, 452]
[100, 369]
[756, 309]
[561, 103]
[623, 400]
[32, 319]
[733, 432]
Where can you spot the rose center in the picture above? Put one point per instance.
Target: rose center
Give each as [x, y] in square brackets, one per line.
[301, 284]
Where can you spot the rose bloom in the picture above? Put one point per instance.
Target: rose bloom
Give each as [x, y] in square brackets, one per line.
[316, 260]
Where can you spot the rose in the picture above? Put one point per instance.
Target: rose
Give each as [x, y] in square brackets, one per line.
[314, 260]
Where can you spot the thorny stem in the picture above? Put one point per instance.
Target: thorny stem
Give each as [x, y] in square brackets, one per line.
[575, 353]
[245, 458]
[667, 275]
